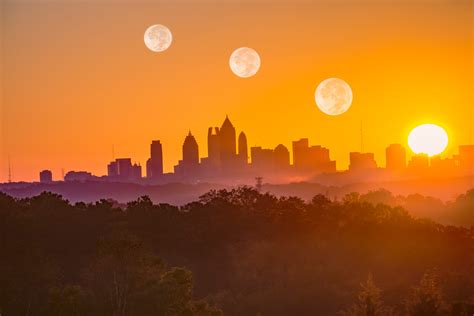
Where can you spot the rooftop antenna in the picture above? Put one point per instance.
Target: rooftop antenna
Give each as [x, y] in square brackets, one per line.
[62, 173]
[9, 170]
[361, 137]
[113, 152]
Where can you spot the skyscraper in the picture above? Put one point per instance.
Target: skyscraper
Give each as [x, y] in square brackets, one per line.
[227, 144]
[361, 161]
[190, 150]
[314, 159]
[281, 157]
[243, 151]
[395, 155]
[300, 149]
[154, 165]
[213, 148]
[189, 165]
[419, 163]
[262, 159]
[46, 176]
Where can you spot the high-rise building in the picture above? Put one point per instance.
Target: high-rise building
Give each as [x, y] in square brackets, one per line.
[124, 166]
[281, 157]
[190, 150]
[419, 163]
[188, 166]
[395, 155]
[122, 169]
[46, 176]
[154, 165]
[262, 159]
[243, 151]
[300, 153]
[361, 161]
[213, 148]
[112, 169]
[78, 176]
[314, 159]
[227, 144]
[136, 171]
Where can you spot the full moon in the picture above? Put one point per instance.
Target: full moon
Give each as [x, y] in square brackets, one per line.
[244, 62]
[333, 96]
[158, 38]
[429, 139]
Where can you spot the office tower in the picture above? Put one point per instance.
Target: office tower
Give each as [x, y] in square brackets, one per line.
[136, 171]
[243, 151]
[395, 155]
[124, 168]
[46, 176]
[281, 157]
[361, 161]
[213, 148]
[419, 163]
[300, 153]
[314, 159]
[190, 150]
[227, 144]
[112, 169]
[189, 165]
[262, 159]
[154, 165]
[78, 176]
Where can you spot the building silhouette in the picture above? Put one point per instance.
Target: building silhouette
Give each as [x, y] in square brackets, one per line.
[314, 159]
[419, 163]
[228, 160]
[46, 176]
[190, 163]
[154, 165]
[243, 149]
[361, 161]
[262, 159]
[395, 155]
[78, 176]
[213, 146]
[136, 171]
[227, 145]
[281, 157]
[122, 169]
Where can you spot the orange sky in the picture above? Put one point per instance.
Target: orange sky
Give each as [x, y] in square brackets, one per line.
[78, 79]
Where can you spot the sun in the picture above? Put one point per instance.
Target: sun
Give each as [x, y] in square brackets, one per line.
[429, 139]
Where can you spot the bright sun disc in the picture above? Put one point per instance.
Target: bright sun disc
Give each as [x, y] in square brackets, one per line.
[428, 139]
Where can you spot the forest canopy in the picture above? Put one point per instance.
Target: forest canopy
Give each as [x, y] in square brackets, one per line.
[236, 252]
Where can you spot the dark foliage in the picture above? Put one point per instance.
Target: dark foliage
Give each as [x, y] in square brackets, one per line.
[247, 253]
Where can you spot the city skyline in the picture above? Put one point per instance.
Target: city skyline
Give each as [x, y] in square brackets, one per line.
[229, 157]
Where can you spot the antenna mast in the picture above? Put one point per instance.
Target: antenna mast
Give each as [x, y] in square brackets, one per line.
[361, 137]
[9, 170]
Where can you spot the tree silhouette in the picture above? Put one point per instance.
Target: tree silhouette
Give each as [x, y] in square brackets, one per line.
[369, 302]
[426, 299]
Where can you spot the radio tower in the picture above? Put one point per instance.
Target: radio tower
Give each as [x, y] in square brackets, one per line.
[361, 137]
[9, 170]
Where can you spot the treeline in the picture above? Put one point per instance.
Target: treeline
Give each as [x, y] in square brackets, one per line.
[458, 212]
[239, 252]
